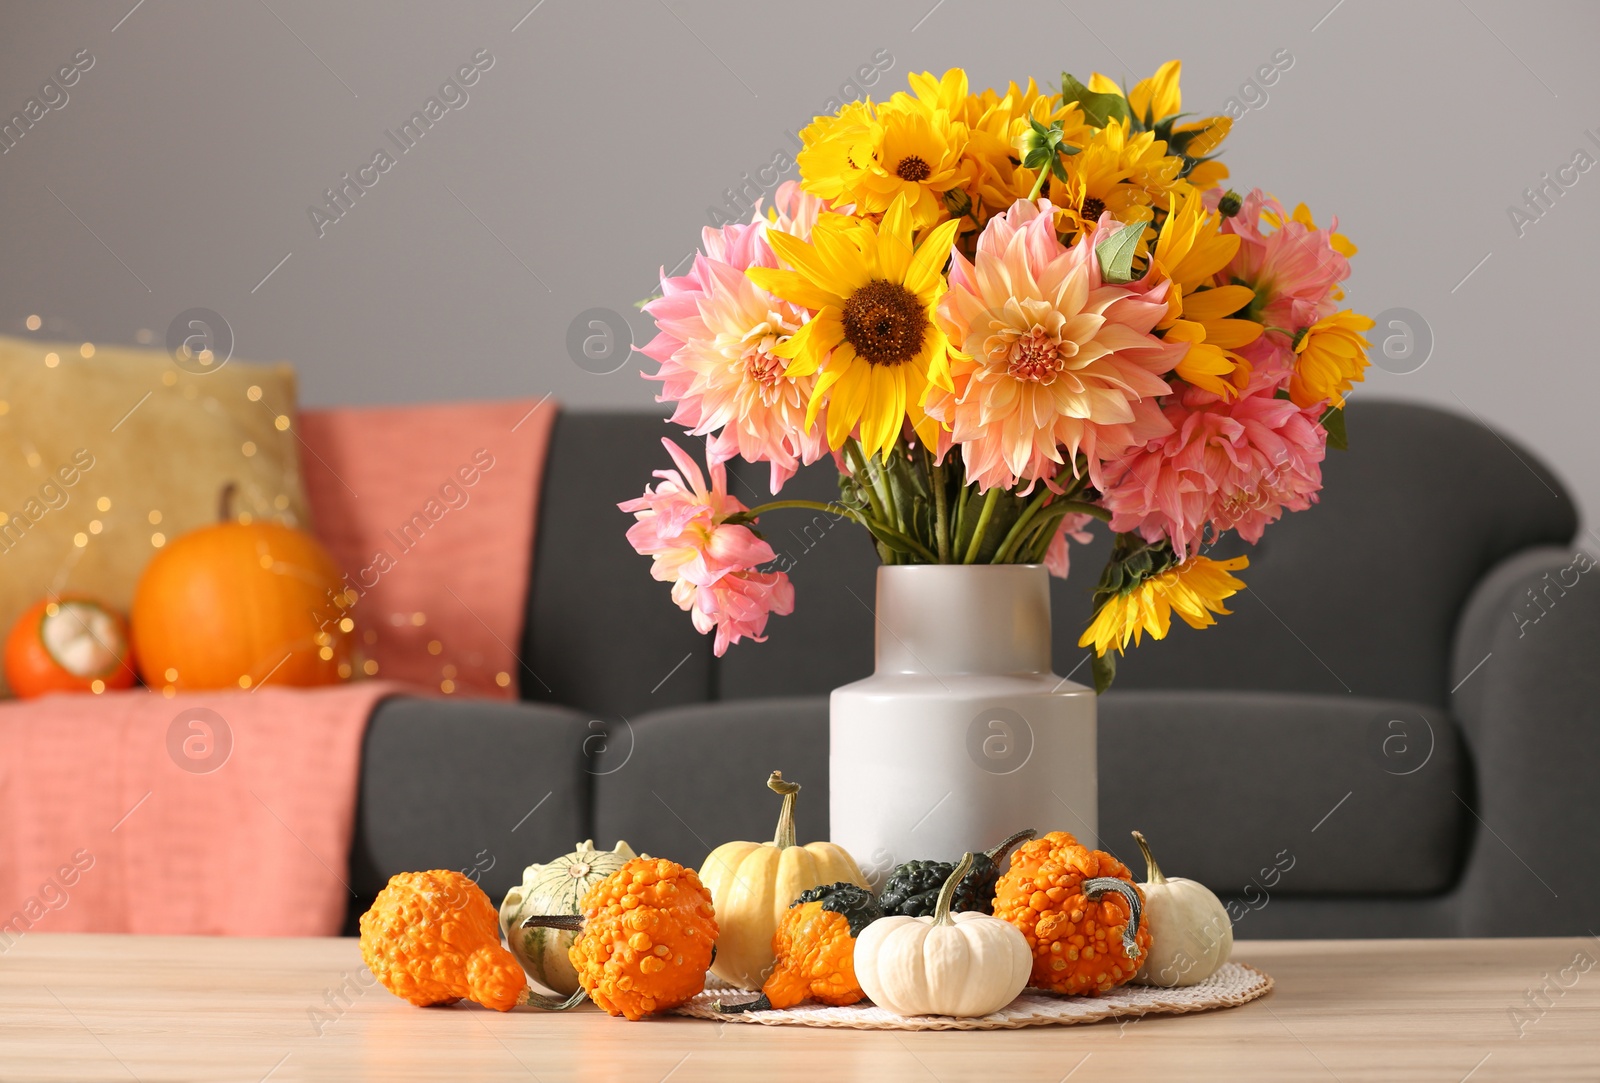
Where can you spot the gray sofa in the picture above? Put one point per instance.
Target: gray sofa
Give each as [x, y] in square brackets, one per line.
[1397, 732]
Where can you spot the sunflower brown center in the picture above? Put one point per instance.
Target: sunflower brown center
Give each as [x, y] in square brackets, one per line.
[913, 169]
[885, 322]
[1093, 208]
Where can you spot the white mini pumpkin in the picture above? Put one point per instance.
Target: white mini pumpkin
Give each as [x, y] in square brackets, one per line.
[966, 965]
[1191, 933]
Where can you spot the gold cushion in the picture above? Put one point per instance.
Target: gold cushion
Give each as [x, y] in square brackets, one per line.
[106, 457]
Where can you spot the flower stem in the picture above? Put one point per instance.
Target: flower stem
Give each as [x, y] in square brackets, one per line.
[982, 527]
[864, 480]
[742, 517]
[1038, 184]
[941, 509]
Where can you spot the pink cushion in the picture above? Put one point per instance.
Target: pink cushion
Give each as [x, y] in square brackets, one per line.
[431, 512]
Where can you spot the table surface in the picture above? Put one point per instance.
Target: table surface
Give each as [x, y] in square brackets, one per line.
[81, 1008]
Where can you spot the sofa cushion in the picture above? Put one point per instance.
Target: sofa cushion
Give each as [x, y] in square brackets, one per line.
[678, 783]
[834, 568]
[1253, 794]
[104, 458]
[601, 634]
[1259, 794]
[486, 788]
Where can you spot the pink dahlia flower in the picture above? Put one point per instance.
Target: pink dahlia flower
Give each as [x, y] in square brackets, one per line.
[1226, 465]
[1059, 361]
[717, 330]
[1058, 558]
[1294, 267]
[711, 564]
[795, 211]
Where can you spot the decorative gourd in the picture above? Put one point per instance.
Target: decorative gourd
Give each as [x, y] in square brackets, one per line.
[556, 887]
[431, 938]
[814, 949]
[69, 644]
[1079, 911]
[1193, 935]
[963, 964]
[753, 884]
[913, 888]
[645, 939]
[235, 604]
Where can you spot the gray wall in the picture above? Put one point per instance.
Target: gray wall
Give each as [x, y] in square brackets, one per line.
[180, 171]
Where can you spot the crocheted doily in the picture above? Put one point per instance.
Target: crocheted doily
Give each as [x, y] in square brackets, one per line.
[1232, 985]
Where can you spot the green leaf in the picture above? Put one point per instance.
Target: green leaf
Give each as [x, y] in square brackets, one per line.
[1098, 109]
[1104, 668]
[1116, 253]
[1281, 393]
[1333, 421]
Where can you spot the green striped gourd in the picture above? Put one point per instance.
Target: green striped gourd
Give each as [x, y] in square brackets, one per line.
[556, 887]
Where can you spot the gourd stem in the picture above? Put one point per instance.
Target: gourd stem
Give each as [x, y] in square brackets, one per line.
[1098, 886]
[759, 1004]
[572, 923]
[784, 837]
[1152, 871]
[947, 894]
[225, 502]
[1009, 844]
[551, 1004]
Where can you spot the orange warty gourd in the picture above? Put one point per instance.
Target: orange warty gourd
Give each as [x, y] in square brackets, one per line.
[68, 644]
[1080, 912]
[814, 949]
[434, 938]
[645, 938]
[237, 604]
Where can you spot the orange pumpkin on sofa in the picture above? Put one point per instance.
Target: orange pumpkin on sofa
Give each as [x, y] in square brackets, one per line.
[69, 644]
[236, 605]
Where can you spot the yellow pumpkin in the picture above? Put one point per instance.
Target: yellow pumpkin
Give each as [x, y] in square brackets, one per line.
[753, 883]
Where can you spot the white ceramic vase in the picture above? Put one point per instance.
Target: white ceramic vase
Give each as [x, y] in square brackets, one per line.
[963, 735]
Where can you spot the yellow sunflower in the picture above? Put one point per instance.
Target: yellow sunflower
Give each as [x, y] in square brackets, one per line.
[828, 167]
[873, 337]
[1115, 171]
[1159, 98]
[870, 155]
[1194, 590]
[995, 125]
[1330, 355]
[1189, 253]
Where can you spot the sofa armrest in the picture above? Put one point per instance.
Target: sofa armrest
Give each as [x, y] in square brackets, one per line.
[483, 787]
[1526, 680]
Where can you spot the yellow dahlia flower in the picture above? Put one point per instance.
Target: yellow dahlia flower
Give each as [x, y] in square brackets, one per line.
[872, 338]
[1194, 590]
[1329, 357]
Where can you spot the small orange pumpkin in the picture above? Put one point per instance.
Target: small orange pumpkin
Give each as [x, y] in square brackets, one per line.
[236, 605]
[645, 939]
[1080, 912]
[434, 938]
[68, 644]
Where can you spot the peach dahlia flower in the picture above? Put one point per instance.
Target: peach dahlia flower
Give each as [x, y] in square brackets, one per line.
[1058, 361]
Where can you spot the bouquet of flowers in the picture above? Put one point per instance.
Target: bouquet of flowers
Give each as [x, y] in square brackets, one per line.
[1004, 316]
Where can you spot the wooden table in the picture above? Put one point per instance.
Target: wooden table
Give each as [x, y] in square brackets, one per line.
[83, 1008]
